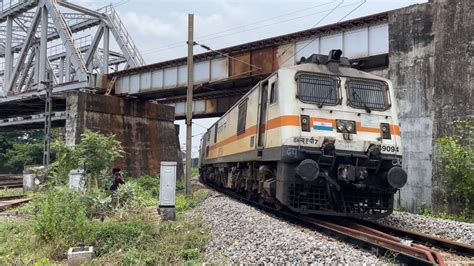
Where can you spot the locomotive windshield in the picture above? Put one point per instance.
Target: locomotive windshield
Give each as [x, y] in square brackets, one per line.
[371, 95]
[317, 89]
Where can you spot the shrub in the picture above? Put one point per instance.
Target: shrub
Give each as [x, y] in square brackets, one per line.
[149, 183]
[457, 159]
[94, 154]
[61, 219]
[97, 152]
[113, 235]
[66, 160]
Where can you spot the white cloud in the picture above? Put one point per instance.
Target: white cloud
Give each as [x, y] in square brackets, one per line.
[148, 26]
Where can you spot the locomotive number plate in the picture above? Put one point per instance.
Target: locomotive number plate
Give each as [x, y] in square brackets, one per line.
[389, 149]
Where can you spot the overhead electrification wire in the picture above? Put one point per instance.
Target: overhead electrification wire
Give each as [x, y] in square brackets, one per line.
[165, 48]
[199, 125]
[226, 55]
[242, 26]
[198, 135]
[357, 7]
[314, 26]
[119, 3]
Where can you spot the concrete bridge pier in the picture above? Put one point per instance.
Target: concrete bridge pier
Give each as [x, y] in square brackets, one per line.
[146, 129]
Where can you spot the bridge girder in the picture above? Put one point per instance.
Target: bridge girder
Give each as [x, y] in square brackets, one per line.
[43, 41]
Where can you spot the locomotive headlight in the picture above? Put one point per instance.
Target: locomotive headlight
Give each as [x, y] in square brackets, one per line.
[385, 131]
[305, 123]
[345, 126]
[340, 126]
[350, 126]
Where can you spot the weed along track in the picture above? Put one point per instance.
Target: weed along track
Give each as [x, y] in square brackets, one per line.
[397, 244]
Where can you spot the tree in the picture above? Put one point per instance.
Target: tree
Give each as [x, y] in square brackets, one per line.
[94, 154]
[18, 149]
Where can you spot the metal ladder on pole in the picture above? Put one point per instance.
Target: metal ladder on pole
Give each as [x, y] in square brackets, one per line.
[111, 85]
[123, 38]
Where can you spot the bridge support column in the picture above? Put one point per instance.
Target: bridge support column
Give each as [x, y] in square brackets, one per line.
[146, 130]
[430, 68]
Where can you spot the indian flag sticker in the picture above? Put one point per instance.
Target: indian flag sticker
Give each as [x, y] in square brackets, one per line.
[327, 126]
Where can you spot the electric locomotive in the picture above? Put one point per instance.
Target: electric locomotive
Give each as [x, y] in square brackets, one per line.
[319, 137]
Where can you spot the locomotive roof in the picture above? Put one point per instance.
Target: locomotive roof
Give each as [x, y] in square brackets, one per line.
[341, 71]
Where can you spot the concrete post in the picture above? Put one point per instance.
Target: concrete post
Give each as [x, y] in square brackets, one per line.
[189, 101]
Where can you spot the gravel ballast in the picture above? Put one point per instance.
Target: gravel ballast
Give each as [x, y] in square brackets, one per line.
[457, 231]
[242, 234]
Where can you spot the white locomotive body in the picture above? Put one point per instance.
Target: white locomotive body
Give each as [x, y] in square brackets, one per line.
[319, 137]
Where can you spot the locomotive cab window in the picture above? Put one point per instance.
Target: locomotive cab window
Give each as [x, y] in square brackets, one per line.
[242, 117]
[368, 94]
[317, 89]
[273, 93]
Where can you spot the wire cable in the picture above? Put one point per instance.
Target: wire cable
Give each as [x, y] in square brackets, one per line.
[350, 12]
[242, 26]
[199, 125]
[226, 55]
[314, 26]
[166, 48]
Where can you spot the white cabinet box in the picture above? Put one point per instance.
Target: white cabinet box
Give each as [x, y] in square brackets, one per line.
[167, 184]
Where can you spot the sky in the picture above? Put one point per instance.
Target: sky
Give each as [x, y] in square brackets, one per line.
[159, 27]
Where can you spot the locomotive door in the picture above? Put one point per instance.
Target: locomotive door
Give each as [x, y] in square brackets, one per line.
[262, 114]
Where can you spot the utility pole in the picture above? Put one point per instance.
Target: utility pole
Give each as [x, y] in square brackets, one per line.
[47, 123]
[189, 103]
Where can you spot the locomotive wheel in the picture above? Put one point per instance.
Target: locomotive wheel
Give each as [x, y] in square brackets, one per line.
[278, 205]
[249, 194]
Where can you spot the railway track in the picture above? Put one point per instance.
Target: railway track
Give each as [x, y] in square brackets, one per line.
[12, 201]
[11, 181]
[401, 245]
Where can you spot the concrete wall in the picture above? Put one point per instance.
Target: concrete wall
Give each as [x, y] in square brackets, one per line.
[454, 84]
[431, 59]
[146, 130]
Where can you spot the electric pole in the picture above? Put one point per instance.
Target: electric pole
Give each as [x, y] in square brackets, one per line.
[189, 103]
[47, 123]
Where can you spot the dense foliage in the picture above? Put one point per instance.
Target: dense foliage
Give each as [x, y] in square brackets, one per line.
[457, 158]
[94, 154]
[18, 149]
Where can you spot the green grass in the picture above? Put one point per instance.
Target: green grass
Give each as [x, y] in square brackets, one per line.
[121, 229]
[194, 172]
[426, 211]
[11, 192]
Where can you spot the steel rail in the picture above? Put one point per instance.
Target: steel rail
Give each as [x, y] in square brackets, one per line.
[378, 245]
[437, 242]
[12, 201]
[391, 242]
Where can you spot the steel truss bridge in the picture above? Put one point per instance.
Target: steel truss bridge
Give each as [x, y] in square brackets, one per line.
[67, 47]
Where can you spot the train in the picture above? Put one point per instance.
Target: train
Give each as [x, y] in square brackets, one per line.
[320, 137]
